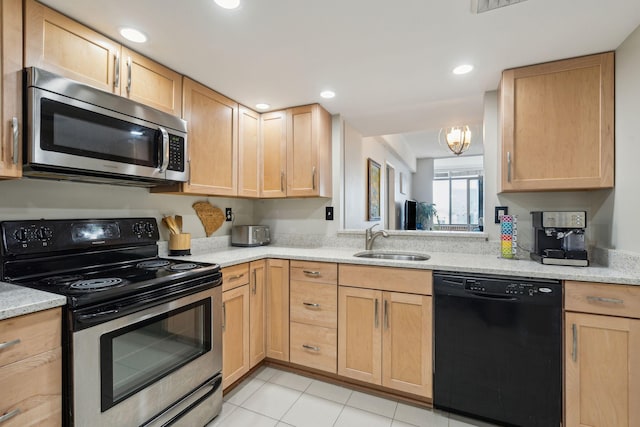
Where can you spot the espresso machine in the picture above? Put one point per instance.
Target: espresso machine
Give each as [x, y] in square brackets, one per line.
[559, 238]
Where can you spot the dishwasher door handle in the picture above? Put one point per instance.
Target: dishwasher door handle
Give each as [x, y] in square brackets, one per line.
[493, 297]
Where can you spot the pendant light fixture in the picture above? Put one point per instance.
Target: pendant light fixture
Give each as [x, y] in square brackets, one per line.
[456, 138]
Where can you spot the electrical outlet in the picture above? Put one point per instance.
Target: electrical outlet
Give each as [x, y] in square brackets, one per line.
[227, 214]
[328, 213]
[499, 211]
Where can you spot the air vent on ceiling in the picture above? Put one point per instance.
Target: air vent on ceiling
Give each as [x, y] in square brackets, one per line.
[480, 6]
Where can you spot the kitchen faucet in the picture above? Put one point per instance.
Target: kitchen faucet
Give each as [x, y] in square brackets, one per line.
[370, 236]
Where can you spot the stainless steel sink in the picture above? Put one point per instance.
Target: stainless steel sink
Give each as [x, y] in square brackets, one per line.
[398, 256]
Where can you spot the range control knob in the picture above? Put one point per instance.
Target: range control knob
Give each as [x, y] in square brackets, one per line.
[44, 233]
[138, 227]
[149, 228]
[21, 235]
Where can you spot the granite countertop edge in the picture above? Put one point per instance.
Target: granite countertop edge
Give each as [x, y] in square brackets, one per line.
[17, 300]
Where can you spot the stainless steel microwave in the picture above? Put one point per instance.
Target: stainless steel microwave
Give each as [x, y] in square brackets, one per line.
[79, 133]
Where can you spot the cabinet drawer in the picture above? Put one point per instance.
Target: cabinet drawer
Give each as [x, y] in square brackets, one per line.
[33, 387]
[314, 346]
[600, 298]
[234, 276]
[387, 278]
[25, 336]
[320, 272]
[314, 303]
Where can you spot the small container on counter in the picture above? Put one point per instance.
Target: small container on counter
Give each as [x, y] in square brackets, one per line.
[180, 244]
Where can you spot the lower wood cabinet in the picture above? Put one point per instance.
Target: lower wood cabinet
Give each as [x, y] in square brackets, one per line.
[277, 309]
[257, 312]
[384, 338]
[602, 355]
[235, 334]
[31, 370]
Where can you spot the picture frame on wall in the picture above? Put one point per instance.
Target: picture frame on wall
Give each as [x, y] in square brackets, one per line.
[373, 190]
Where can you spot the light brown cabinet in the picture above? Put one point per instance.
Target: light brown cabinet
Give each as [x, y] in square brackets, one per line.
[11, 88]
[313, 314]
[235, 323]
[384, 332]
[557, 122]
[63, 46]
[602, 353]
[277, 309]
[296, 153]
[248, 153]
[273, 157]
[31, 369]
[257, 312]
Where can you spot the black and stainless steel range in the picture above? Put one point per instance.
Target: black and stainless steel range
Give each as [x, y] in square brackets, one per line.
[142, 336]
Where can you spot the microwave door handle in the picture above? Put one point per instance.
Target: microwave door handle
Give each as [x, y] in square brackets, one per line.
[164, 163]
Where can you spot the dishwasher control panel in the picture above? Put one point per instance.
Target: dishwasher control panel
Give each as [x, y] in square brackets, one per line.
[504, 287]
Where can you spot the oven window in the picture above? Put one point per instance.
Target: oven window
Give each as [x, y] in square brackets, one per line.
[72, 130]
[138, 355]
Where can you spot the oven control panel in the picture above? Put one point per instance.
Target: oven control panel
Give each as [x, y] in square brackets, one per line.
[37, 236]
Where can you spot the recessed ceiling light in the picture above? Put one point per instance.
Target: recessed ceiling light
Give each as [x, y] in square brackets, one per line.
[262, 106]
[327, 94]
[133, 35]
[463, 69]
[228, 4]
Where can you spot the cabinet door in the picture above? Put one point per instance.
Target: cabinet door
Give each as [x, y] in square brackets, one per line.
[257, 315]
[602, 382]
[235, 334]
[212, 123]
[150, 83]
[11, 88]
[406, 343]
[273, 153]
[308, 151]
[248, 149]
[558, 125]
[277, 295]
[359, 334]
[63, 46]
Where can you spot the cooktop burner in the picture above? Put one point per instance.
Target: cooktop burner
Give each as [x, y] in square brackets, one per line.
[183, 267]
[156, 263]
[96, 284]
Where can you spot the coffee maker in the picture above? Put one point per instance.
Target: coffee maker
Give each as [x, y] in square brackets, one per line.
[559, 238]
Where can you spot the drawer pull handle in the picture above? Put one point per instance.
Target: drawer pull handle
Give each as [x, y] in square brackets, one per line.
[9, 415]
[605, 300]
[15, 131]
[310, 347]
[224, 316]
[386, 314]
[311, 304]
[311, 273]
[6, 345]
[574, 346]
[375, 316]
[235, 276]
[255, 281]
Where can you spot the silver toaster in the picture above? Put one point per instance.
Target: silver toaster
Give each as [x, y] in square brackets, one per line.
[250, 235]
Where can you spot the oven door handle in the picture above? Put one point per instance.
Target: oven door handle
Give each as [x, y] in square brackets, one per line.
[100, 316]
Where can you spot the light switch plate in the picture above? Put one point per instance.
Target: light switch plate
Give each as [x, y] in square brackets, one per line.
[328, 213]
[500, 210]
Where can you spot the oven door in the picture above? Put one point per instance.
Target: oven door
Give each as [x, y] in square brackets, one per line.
[133, 369]
[74, 135]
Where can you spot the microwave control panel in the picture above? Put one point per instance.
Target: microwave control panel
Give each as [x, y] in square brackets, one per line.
[176, 153]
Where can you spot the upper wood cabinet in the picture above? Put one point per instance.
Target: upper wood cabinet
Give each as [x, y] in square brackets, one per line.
[212, 125]
[11, 88]
[308, 152]
[150, 83]
[296, 153]
[248, 153]
[273, 157]
[602, 353]
[63, 46]
[558, 125]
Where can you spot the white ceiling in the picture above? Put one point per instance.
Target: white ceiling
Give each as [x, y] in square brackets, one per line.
[389, 62]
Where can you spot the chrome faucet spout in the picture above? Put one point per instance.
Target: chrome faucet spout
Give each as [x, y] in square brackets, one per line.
[370, 236]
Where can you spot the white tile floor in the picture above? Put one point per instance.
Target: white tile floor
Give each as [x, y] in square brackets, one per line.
[271, 397]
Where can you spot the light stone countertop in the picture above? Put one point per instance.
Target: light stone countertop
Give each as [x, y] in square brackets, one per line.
[458, 262]
[17, 300]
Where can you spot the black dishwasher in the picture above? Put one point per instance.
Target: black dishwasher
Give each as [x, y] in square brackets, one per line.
[498, 348]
